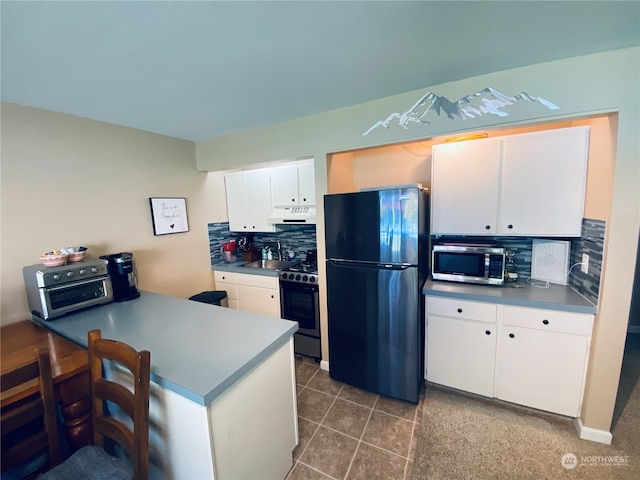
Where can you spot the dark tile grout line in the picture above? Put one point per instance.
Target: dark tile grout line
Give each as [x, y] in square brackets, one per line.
[360, 440]
[361, 437]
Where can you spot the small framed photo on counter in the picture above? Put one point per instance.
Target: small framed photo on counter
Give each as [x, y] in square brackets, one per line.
[169, 215]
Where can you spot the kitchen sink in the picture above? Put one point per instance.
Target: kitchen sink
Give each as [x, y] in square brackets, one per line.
[269, 264]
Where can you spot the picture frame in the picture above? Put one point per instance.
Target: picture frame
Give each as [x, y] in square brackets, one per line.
[169, 215]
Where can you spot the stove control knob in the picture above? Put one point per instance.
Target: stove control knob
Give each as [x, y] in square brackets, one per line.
[82, 272]
[56, 276]
[94, 270]
[312, 279]
[298, 277]
[305, 278]
[70, 274]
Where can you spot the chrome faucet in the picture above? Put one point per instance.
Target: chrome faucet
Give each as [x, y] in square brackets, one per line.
[277, 250]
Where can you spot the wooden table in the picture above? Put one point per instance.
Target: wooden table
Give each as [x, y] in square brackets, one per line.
[70, 366]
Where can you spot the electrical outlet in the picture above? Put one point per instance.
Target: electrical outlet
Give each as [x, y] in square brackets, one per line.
[585, 263]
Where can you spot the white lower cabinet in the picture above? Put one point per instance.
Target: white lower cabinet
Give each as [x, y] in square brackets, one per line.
[250, 293]
[227, 281]
[543, 358]
[529, 356]
[461, 354]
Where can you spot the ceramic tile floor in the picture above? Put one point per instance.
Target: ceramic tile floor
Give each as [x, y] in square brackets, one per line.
[348, 433]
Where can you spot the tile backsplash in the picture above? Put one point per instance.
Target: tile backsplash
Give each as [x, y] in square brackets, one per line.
[298, 238]
[591, 242]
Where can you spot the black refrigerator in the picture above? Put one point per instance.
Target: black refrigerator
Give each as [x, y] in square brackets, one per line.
[377, 261]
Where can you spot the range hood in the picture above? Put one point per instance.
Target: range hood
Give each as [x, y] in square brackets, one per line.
[292, 215]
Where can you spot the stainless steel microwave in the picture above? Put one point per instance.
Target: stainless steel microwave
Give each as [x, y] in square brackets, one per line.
[468, 264]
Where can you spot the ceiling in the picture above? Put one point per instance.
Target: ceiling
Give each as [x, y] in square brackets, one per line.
[196, 70]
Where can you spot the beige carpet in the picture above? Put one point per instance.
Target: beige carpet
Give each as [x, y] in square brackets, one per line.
[469, 437]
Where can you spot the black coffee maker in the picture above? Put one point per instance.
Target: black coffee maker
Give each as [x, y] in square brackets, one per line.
[122, 271]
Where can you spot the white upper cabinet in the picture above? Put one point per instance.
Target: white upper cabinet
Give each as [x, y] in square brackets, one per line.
[464, 187]
[293, 185]
[307, 184]
[249, 201]
[521, 185]
[543, 183]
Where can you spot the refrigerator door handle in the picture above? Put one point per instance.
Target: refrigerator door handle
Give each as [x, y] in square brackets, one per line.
[378, 265]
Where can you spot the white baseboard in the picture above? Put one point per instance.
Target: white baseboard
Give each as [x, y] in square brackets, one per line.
[593, 434]
[324, 365]
[633, 328]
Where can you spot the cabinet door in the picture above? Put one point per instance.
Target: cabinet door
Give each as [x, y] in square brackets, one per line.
[464, 187]
[284, 186]
[541, 369]
[306, 185]
[461, 354]
[543, 183]
[264, 301]
[259, 200]
[237, 201]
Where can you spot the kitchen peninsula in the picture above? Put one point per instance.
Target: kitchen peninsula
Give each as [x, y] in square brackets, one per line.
[223, 383]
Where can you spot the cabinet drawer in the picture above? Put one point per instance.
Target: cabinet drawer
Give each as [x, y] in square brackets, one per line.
[257, 281]
[230, 288]
[550, 320]
[480, 311]
[227, 277]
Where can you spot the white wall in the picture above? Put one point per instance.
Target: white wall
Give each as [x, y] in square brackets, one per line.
[71, 181]
[581, 86]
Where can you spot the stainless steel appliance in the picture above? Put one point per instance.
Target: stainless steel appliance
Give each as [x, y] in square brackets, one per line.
[377, 261]
[470, 263]
[299, 301]
[56, 291]
[122, 270]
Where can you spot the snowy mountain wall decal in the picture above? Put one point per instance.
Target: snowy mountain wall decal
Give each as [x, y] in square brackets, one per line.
[487, 100]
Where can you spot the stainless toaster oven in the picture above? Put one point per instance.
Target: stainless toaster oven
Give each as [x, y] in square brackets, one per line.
[56, 291]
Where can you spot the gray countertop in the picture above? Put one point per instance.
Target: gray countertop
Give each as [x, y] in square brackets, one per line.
[556, 297]
[197, 350]
[238, 268]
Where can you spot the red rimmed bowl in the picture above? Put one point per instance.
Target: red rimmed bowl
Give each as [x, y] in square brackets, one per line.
[76, 256]
[53, 259]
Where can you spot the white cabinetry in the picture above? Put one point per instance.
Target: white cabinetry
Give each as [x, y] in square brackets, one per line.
[293, 185]
[543, 356]
[531, 184]
[259, 294]
[227, 281]
[529, 356]
[250, 293]
[464, 187]
[249, 201]
[461, 347]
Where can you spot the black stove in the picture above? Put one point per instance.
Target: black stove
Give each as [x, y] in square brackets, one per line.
[303, 272]
[299, 301]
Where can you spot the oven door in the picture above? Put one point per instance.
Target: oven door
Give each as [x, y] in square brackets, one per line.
[57, 301]
[299, 302]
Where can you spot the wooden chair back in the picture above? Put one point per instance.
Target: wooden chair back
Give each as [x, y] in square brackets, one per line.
[29, 427]
[136, 404]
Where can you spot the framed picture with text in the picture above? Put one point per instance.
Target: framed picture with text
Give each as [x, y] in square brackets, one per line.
[169, 215]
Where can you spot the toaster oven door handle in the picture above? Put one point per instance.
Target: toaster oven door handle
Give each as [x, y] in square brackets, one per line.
[76, 283]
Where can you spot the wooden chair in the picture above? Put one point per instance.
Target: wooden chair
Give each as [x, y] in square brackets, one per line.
[29, 428]
[92, 461]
